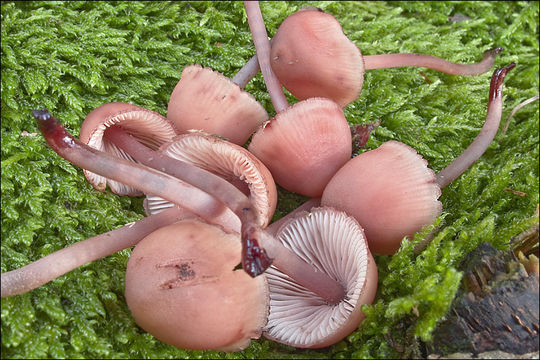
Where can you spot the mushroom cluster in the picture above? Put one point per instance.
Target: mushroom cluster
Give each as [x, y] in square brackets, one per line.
[209, 269]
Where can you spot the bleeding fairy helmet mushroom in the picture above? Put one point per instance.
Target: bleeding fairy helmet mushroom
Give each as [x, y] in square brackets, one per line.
[206, 100]
[146, 126]
[312, 57]
[182, 287]
[335, 244]
[230, 161]
[391, 191]
[304, 144]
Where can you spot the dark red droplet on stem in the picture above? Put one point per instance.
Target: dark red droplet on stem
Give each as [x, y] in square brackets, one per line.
[254, 259]
[497, 81]
[54, 133]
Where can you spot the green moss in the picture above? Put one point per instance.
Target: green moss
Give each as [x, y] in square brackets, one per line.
[74, 56]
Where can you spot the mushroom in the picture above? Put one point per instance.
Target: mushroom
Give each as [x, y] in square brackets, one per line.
[312, 57]
[305, 144]
[335, 244]
[230, 161]
[146, 126]
[391, 191]
[207, 100]
[182, 287]
[255, 259]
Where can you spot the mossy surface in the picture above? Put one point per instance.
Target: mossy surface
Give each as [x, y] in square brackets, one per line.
[72, 57]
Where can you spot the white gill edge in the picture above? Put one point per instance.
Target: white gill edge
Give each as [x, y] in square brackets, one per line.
[333, 242]
[201, 151]
[153, 136]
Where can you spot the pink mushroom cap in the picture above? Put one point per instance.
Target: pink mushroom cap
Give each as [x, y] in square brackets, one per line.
[304, 145]
[207, 100]
[148, 127]
[312, 57]
[390, 191]
[182, 287]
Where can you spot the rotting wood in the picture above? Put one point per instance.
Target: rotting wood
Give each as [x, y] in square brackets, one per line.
[496, 308]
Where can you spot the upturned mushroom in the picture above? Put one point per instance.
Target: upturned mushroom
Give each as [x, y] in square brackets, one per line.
[227, 160]
[305, 144]
[145, 126]
[335, 243]
[312, 57]
[391, 191]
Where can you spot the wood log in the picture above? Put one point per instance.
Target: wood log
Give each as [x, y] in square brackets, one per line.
[496, 308]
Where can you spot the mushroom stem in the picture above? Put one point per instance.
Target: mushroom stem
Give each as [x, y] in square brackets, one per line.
[262, 46]
[247, 72]
[285, 258]
[516, 109]
[302, 272]
[486, 135]
[151, 181]
[60, 262]
[399, 60]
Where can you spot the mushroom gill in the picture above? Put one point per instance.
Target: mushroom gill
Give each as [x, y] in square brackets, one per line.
[148, 127]
[225, 159]
[334, 244]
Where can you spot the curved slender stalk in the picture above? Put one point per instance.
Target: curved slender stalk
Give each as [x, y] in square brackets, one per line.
[151, 181]
[262, 45]
[515, 110]
[247, 72]
[385, 61]
[60, 262]
[486, 135]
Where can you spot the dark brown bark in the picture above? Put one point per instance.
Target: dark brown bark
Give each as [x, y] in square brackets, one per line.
[495, 309]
